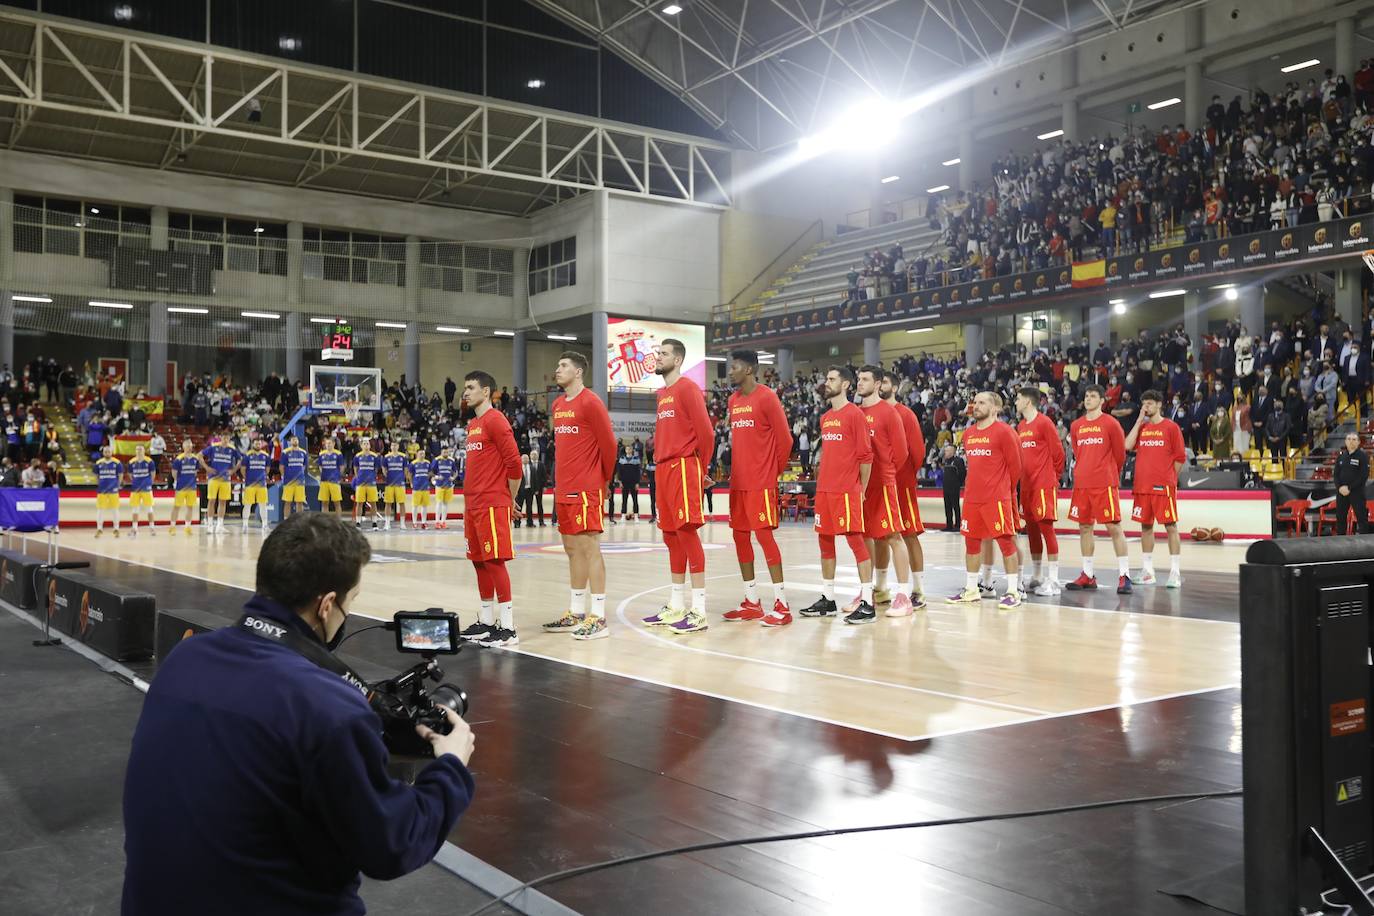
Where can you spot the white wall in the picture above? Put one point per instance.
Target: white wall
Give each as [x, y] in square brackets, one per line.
[569, 219]
[441, 355]
[664, 260]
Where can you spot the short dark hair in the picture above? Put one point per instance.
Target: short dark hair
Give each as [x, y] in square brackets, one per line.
[1096, 389]
[483, 380]
[309, 555]
[846, 374]
[577, 359]
[749, 357]
[677, 346]
[875, 371]
[1031, 393]
[1153, 394]
[890, 376]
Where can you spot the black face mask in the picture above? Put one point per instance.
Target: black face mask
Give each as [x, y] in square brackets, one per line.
[338, 636]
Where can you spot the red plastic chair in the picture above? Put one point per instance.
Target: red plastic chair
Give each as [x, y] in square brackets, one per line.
[1293, 513]
[1326, 515]
[802, 508]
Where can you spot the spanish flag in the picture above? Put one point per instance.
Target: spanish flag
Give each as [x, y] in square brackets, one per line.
[1090, 273]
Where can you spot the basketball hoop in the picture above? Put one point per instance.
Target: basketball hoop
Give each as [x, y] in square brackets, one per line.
[1368, 257]
[351, 409]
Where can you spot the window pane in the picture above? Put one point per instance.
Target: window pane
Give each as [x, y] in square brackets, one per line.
[570, 248]
[101, 245]
[502, 259]
[453, 280]
[62, 241]
[312, 266]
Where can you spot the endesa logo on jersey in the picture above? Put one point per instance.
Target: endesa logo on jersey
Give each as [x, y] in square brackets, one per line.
[978, 452]
[1091, 440]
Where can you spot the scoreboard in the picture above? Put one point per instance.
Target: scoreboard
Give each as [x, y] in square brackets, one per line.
[338, 341]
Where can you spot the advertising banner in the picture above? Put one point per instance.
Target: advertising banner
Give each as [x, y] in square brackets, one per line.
[631, 344]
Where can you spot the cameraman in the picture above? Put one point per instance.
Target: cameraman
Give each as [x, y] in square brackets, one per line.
[257, 780]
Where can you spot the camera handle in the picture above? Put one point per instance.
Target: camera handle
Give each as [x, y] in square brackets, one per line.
[48, 639]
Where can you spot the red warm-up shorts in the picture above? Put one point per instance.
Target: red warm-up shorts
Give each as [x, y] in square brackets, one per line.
[752, 510]
[1039, 504]
[911, 508]
[992, 519]
[678, 482]
[1094, 504]
[1157, 505]
[882, 512]
[488, 532]
[581, 514]
[840, 513]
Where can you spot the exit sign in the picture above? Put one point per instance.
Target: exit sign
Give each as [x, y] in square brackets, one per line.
[834, 349]
[1040, 324]
[1133, 108]
[464, 346]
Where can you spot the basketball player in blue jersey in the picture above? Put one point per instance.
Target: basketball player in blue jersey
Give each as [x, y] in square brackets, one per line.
[109, 471]
[255, 466]
[221, 462]
[185, 468]
[293, 462]
[419, 491]
[394, 463]
[140, 473]
[330, 462]
[444, 468]
[364, 481]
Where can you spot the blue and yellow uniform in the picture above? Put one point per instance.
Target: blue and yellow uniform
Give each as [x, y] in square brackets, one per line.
[419, 482]
[222, 460]
[141, 482]
[255, 478]
[443, 478]
[185, 468]
[331, 466]
[108, 472]
[394, 463]
[365, 477]
[293, 462]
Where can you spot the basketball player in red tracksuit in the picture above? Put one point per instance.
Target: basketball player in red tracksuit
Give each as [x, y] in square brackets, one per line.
[883, 519]
[993, 454]
[1042, 464]
[841, 480]
[907, 476]
[1159, 454]
[1099, 451]
[489, 485]
[760, 449]
[683, 443]
[584, 460]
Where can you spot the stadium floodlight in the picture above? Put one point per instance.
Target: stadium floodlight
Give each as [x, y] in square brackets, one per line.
[1300, 66]
[449, 329]
[1164, 103]
[869, 125]
[187, 310]
[1050, 135]
[937, 189]
[259, 315]
[26, 298]
[955, 161]
[891, 178]
[504, 333]
[109, 305]
[1166, 293]
[561, 336]
[394, 325]
[672, 9]
[123, 12]
[1232, 294]
[1119, 308]
[534, 84]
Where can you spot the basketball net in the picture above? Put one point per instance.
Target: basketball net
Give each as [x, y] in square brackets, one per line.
[1368, 257]
[351, 409]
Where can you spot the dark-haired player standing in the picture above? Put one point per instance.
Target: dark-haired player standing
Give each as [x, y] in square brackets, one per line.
[1099, 451]
[1159, 455]
[907, 478]
[1042, 463]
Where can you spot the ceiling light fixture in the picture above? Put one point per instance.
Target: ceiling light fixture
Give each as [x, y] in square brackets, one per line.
[324, 320]
[1232, 294]
[561, 336]
[187, 310]
[504, 333]
[672, 9]
[95, 211]
[259, 315]
[715, 359]
[1300, 66]
[287, 43]
[394, 325]
[918, 330]
[448, 329]
[32, 298]
[1155, 106]
[109, 305]
[1050, 135]
[534, 84]
[1166, 293]
[1119, 308]
[891, 178]
[955, 161]
[123, 12]
[937, 189]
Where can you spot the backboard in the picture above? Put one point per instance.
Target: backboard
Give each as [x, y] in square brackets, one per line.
[330, 384]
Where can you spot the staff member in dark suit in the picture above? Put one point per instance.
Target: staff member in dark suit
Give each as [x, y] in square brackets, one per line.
[257, 780]
[529, 498]
[1350, 477]
[954, 472]
[629, 463]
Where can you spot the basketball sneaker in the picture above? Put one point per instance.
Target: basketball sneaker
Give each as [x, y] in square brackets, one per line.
[987, 591]
[1147, 577]
[881, 596]
[1010, 600]
[116, 532]
[1030, 585]
[476, 632]
[853, 605]
[1084, 582]
[666, 616]
[918, 601]
[690, 622]
[966, 596]
[748, 610]
[900, 607]
[779, 616]
[99, 532]
[592, 628]
[1049, 588]
[500, 638]
[188, 530]
[1175, 581]
[863, 613]
[1123, 585]
[565, 624]
[821, 607]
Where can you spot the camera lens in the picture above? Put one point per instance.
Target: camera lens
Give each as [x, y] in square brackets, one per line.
[451, 697]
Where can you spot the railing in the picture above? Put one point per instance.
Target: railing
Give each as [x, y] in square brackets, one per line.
[810, 236]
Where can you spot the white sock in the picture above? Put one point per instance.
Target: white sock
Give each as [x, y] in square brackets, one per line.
[507, 615]
[1088, 566]
[985, 573]
[598, 606]
[1173, 564]
[1124, 565]
[116, 519]
[880, 578]
[133, 523]
[751, 591]
[1034, 568]
[577, 602]
[1147, 564]
[698, 601]
[486, 611]
[1013, 585]
[780, 592]
[678, 595]
[99, 519]
[828, 589]
[918, 582]
[971, 580]
[1054, 570]
[866, 592]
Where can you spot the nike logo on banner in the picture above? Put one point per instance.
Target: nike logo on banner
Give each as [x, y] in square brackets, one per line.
[1193, 483]
[1318, 503]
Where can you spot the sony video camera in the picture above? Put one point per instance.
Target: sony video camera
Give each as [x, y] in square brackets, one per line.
[402, 701]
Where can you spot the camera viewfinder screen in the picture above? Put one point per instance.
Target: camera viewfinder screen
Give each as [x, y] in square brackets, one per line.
[421, 633]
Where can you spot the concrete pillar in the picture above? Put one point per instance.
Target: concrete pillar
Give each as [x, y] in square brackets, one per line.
[787, 370]
[1069, 118]
[1195, 305]
[413, 274]
[411, 346]
[1251, 308]
[1194, 105]
[519, 369]
[1192, 29]
[601, 264]
[872, 350]
[157, 349]
[295, 343]
[967, 175]
[1099, 327]
[7, 328]
[157, 234]
[295, 261]
[973, 342]
[1345, 48]
[7, 277]
[599, 381]
[1349, 299]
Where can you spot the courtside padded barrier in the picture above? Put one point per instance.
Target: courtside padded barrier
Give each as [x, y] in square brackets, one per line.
[114, 620]
[174, 626]
[17, 572]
